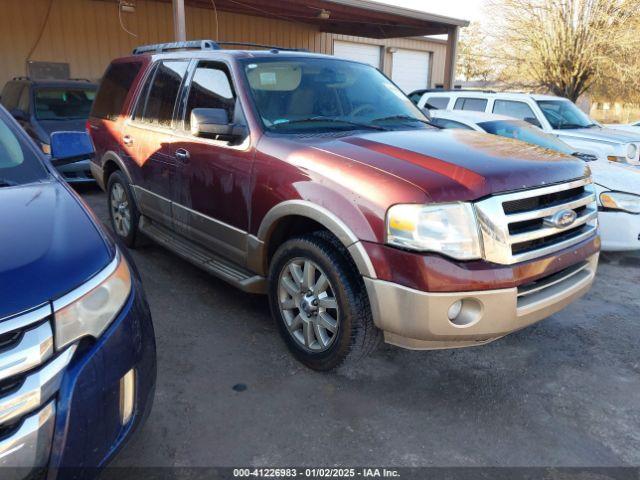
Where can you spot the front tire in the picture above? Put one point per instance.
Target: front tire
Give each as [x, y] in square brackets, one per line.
[123, 211]
[319, 302]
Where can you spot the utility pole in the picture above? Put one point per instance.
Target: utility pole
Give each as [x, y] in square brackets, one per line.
[179, 24]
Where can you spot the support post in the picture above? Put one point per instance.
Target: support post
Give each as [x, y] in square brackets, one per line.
[452, 52]
[179, 23]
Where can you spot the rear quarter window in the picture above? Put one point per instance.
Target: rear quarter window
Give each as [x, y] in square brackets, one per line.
[114, 88]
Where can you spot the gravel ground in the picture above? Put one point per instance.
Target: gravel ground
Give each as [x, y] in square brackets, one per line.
[564, 392]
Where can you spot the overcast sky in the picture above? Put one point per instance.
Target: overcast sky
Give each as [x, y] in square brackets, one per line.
[465, 9]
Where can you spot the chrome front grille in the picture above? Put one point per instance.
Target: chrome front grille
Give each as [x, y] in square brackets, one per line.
[30, 376]
[525, 225]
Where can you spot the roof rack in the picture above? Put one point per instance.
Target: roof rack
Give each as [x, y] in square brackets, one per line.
[269, 47]
[22, 78]
[472, 90]
[204, 45]
[167, 47]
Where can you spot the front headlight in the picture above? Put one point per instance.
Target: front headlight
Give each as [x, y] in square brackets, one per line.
[88, 310]
[625, 202]
[450, 229]
[632, 151]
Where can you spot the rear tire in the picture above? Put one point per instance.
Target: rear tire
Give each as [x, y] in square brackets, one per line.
[123, 212]
[320, 304]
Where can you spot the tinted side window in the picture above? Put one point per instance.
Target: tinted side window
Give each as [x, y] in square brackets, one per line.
[415, 97]
[210, 88]
[114, 89]
[472, 104]
[439, 103]
[11, 94]
[164, 92]
[519, 110]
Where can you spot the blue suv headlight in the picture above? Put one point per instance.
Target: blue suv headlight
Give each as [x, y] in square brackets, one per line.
[89, 309]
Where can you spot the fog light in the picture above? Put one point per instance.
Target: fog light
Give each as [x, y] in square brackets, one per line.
[464, 313]
[127, 396]
[454, 310]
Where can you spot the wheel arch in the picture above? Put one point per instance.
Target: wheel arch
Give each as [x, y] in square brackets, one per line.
[312, 213]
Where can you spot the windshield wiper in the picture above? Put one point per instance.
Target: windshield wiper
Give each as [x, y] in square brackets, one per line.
[567, 126]
[406, 117]
[7, 183]
[331, 120]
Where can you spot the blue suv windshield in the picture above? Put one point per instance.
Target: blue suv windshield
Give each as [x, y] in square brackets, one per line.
[64, 103]
[319, 94]
[18, 163]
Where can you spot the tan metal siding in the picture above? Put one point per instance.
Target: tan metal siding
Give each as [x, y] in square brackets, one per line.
[87, 34]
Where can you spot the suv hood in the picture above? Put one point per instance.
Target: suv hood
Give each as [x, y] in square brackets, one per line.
[456, 165]
[600, 134]
[49, 245]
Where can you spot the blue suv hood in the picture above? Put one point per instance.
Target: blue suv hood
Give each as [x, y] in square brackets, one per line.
[49, 245]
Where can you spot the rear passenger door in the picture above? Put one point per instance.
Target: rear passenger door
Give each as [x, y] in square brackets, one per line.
[149, 137]
[471, 104]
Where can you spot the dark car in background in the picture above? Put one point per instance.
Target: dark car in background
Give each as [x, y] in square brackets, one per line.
[46, 106]
[77, 347]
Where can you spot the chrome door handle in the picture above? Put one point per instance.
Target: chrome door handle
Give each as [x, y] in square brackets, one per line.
[127, 140]
[182, 154]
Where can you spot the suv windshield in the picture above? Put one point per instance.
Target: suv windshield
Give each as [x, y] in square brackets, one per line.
[63, 103]
[521, 130]
[317, 94]
[18, 163]
[562, 114]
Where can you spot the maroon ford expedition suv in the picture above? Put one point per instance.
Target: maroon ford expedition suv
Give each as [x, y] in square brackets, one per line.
[316, 181]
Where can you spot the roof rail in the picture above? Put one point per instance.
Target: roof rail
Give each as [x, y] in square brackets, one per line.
[258, 45]
[167, 47]
[472, 90]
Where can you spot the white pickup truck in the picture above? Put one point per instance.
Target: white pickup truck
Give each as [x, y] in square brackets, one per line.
[554, 115]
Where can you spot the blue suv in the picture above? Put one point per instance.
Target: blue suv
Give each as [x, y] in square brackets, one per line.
[77, 347]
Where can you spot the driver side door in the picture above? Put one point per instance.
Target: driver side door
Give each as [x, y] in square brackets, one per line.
[212, 207]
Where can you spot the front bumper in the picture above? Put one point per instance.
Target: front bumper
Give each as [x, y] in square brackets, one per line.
[619, 231]
[75, 426]
[419, 320]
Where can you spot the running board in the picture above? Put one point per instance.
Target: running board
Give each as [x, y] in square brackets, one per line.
[225, 270]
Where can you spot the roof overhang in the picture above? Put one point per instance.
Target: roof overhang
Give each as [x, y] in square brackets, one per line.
[362, 18]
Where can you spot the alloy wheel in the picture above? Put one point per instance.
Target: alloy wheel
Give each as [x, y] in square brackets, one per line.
[308, 305]
[120, 211]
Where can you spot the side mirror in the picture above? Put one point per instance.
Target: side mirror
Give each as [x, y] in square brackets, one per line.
[214, 122]
[533, 121]
[70, 147]
[19, 115]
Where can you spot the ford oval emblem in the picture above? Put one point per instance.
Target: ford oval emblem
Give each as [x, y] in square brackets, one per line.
[561, 219]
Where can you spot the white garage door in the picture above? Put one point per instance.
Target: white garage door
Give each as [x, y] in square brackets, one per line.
[410, 69]
[358, 52]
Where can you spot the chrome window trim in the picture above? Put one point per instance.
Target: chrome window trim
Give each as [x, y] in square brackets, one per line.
[89, 285]
[494, 223]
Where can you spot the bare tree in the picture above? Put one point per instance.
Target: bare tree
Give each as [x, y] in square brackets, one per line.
[474, 58]
[569, 46]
